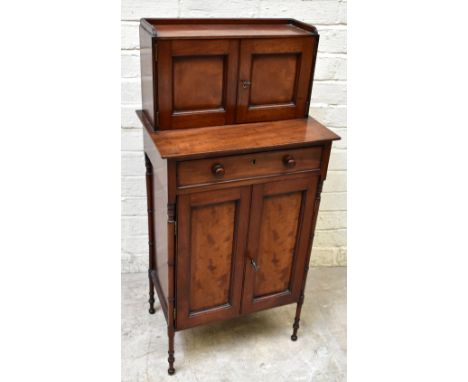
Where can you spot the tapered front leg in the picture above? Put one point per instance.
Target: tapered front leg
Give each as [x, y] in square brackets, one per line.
[311, 241]
[151, 293]
[171, 359]
[297, 318]
[171, 311]
[149, 199]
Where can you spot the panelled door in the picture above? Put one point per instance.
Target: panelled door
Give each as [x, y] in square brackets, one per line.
[280, 221]
[212, 233]
[197, 82]
[274, 78]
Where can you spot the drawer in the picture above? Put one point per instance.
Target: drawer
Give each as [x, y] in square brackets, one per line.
[226, 168]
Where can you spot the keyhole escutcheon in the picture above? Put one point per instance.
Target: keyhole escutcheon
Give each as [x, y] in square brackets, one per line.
[246, 83]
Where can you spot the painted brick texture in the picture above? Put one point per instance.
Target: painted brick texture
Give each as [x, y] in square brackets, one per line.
[328, 106]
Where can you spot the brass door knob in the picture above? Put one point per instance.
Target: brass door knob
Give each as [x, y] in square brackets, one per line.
[218, 170]
[289, 161]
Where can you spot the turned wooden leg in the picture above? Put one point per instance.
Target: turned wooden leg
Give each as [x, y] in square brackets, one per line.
[151, 293]
[171, 302]
[171, 359]
[311, 241]
[149, 199]
[297, 318]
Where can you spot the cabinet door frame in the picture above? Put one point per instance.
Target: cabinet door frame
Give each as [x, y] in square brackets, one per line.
[241, 195]
[305, 48]
[168, 51]
[307, 185]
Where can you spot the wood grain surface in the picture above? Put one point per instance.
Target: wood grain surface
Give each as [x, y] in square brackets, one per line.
[240, 138]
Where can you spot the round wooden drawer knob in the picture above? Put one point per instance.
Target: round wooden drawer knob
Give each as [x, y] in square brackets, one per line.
[218, 170]
[289, 161]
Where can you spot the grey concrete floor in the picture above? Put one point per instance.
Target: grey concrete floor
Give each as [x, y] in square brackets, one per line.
[251, 348]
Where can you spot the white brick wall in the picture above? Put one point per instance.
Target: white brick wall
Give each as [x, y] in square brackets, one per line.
[328, 106]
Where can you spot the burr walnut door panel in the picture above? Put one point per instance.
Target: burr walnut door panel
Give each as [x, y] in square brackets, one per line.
[279, 237]
[274, 78]
[212, 232]
[197, 83]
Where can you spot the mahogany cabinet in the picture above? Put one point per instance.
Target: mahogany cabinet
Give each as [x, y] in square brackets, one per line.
[232, 208]
[222, 71]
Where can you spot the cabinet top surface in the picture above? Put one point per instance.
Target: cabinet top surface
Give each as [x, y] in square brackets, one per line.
[239, 138]
[226, 28]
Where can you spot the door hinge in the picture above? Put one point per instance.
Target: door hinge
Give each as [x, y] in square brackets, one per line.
[157, 119]
[175, 228]
[175, 314]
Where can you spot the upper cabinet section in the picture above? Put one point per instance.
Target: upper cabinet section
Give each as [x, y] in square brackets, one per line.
[210, 72]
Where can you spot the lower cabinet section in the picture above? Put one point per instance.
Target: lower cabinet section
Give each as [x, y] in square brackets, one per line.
[231, 219]
[242, 249]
